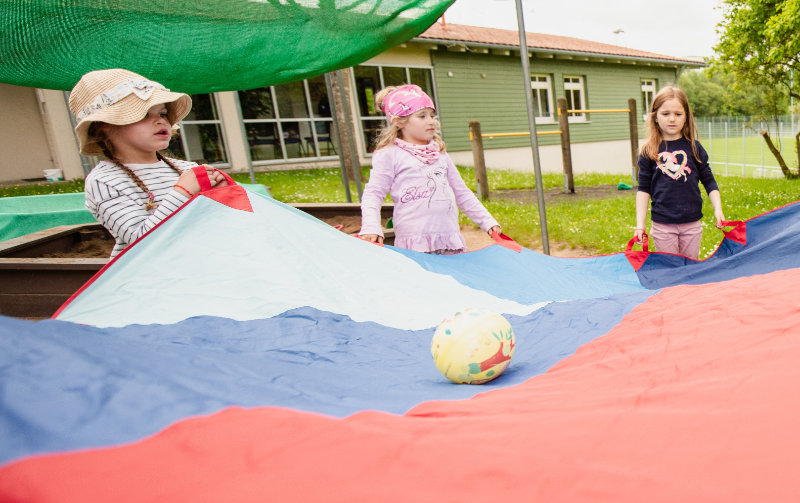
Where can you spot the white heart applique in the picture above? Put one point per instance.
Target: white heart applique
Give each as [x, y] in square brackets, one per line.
[674, 164]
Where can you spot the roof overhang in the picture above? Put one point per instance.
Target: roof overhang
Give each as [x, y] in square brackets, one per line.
[599, 57]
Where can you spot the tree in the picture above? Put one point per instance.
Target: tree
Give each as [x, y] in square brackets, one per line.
[706, 93]
[715, 92]
[760, 47]
[759, 42]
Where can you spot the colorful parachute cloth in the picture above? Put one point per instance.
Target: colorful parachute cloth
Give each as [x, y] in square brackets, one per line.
[243, 351]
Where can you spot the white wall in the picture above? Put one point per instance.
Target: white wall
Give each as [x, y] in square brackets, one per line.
[598, 157]
[25, 152]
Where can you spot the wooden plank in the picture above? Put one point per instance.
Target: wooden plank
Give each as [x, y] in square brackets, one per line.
[36, 281]
[330, 210]
[54, 240]
[31, 306]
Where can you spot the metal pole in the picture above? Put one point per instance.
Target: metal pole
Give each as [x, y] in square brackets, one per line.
[761, 143]
[726, 145]
[791, 100]
[710, 137]
[526, 77]
[744, 150]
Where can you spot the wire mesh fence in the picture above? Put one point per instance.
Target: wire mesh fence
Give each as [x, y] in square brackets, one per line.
[735, 145]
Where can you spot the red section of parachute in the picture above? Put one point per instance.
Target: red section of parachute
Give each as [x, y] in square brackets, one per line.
[738, 233]
[233, 196]
[506, 241]
[637, 258]
[690, 398]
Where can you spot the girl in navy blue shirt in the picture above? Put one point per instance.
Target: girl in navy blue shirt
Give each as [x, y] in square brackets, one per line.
[671, 165]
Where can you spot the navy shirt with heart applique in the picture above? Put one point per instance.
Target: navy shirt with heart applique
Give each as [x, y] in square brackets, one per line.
[672, 182]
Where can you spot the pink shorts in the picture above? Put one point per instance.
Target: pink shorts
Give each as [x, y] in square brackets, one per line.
[680, 239]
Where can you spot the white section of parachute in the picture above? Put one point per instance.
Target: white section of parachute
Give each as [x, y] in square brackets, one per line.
[209, 259]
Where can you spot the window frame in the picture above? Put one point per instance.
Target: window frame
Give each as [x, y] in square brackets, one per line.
[648, 85]
[547, 86]
[580, 87]
[201, 122]
[278, 121]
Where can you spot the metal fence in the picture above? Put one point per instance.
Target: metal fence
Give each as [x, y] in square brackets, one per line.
[735, 145]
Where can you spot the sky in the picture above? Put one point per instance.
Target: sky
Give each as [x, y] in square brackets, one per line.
[681, 28]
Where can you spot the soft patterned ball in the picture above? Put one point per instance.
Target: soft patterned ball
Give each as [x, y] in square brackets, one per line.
[473, 346]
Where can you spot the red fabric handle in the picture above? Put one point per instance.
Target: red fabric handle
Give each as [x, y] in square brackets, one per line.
[633, 242]
[202, 177]
[506, 241]
[739, 231]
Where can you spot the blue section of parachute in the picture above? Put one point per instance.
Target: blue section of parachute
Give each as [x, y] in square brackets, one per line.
[529, 277]
[69, 386]
[771, 245]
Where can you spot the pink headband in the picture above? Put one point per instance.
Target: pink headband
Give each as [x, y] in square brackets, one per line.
[405, 100]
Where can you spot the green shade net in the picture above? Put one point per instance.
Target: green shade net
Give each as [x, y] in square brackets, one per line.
[201, 46]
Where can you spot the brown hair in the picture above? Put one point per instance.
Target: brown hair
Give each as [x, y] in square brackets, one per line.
[97, 135]
[655, 138]
[392, 130]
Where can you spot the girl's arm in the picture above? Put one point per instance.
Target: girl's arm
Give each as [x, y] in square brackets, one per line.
[381, 177]
[710, 184]
[642, 203]
[716, 203]
[643, 195]
[468, 202]
[125, 216]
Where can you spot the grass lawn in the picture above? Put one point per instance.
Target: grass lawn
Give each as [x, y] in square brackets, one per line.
[600, 225]
[746, 156]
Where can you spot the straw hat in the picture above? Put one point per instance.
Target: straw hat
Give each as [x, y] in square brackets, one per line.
[119, 97]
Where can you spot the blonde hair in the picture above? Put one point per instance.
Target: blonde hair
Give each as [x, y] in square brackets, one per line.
[655, 138]
[394, 129]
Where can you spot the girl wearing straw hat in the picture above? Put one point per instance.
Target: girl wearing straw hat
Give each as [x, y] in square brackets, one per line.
[128, 119]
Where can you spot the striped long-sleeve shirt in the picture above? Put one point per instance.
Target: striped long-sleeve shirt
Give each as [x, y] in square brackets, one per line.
[119, 204]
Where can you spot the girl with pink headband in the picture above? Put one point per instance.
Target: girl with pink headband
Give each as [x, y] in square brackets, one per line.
[411, 164]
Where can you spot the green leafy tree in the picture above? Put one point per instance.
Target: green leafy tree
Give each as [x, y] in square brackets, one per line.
[715, 92]
[706, 93]
[760, 47]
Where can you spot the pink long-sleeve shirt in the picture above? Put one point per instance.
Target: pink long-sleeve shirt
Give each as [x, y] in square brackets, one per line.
[426, 199]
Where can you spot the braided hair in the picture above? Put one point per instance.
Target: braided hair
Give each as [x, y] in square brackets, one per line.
[108, 152]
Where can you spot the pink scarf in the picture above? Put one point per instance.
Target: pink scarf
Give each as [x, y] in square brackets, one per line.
[425, 153]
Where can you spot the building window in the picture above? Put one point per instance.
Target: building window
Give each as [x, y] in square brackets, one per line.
[371, 79]
[573, 90]
[542, 98]
[288, 121]
[199, 138]
[648, 92]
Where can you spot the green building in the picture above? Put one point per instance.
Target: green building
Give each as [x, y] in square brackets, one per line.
[472, 73]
